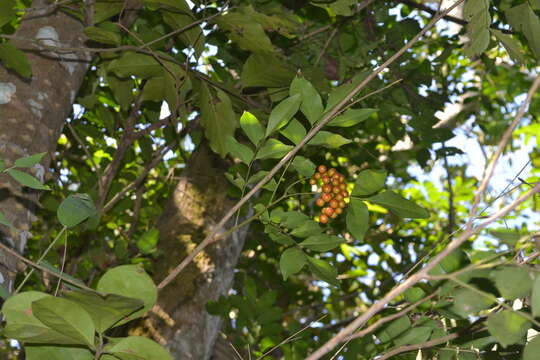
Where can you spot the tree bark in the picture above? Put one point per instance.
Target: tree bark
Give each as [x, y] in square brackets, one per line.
[180, 321]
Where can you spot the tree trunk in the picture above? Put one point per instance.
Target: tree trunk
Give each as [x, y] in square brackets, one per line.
[180, 321]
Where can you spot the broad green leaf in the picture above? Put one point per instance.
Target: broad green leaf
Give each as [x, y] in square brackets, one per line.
[15, 59]
[511, 45]
[75, 209]
[129, 281]
[399, 205]
[180, 5]
[303, 166]
[352, 117]
[137, 348]
[292, 261]
[29, 161]
[122, 90]
[328, 139]
[293, 219]
[26, 179]
[37, 334]
[311, 106]
[241, 151]
[135, 64]
[508, 327]
[323, 270]
[66, 317]
[535, 297]
[18, 308]
[7, 11]
[217, 118]
[103, 35]
[469, 302]
[276, 235]
[105, 310]
[452, 262]
[192, 37]
[4, 221]
[295, 131]
[368, 182]
[512, 282]
[273, 149]
[245, 31]
[266, 70]
[476, 12]
[104, 10]
[282, 113]
[322, 242]
[307, 228]
[252, 127]
[50, 352]
[148, 241]
[416, 335]
[357, 219]
[394, 329]
[532, 349]
[522, 18]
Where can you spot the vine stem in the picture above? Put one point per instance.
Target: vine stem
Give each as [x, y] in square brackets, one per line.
[326, 118]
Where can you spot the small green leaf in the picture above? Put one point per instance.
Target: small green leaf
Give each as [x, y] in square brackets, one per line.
[522, 18]
[237, 150]
[508, 327]
[252, 127]
[399, 205]
[26, 180]
[357, 219]
[468, 302]
[50, 352]
[323, 270]
[273, 149]
[29, 161]
[282, 113]
[511, 45]
[311, 106]
[101, 35]
[369, 182]
[535, 297]
[276, 235]
[532, 349]
[2, 165]
[75, 209]
[292, 261]
[294, 131]
[137, 348]
[148, 241]
[322, 242]
[328, 139]
[7, 11]
[512, 282]
[15, 59]
[129, 281]
[66, 317]
[476, 12]
[394, 329]
[352, 117]
[266, 70]
[293, 219]
[4, 221]
[135, 64]
[303, 166]
[307, 228]
[416, 335]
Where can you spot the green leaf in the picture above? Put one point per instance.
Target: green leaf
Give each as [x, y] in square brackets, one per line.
[323, 270]
[75, 209]
[252, 127]
[148, 241]
[357, 219]
[192, 37]
[535, 297]
[282, 113]
[26, 180]
[303, 166]
[122, 90]
[7, 11]
[130, 281]
[476, 12]
[265, 70]
[369, 182]
[273, 149]
[322, 242]
[352, 117]
[307, 228]
[512, 282]
[49, 352]
[292, 219]
[394, 329]
[311, 106]
[399, 205]
[2, 165]
[15, 59]
[532, 349]
[102, 35]
[29, 161]
[339, 93]
[217, 118]
[522, 18]
[508, 327]
[180, 5]
[245, 31]
[105, 310]
[468, 302]
[137, 348]
[294, 131]
[416, 335]
[135, 64]
[511, 45]
[4, 221]
[276, 235]
[292, 261]
[237, 150]
[66, 317]
[328, 139]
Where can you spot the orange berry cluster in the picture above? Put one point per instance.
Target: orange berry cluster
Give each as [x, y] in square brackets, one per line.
[334, 192]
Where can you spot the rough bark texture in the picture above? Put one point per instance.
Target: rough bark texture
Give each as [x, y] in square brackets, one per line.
[180, 320]
[32, 114]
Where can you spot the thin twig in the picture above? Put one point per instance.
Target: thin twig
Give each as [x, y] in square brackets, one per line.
[427, 344]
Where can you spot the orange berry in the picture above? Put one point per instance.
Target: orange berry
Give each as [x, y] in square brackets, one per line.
[312, 181]
[334, 215]
[339, 211]
[345, 193]
[338, 197]
[320, 202]
[335, 182]
[326, 197]
[336, 190]
[343, 186]
[317, 176]
[334, 204]
[328, 211]
[321, 169]
[342, 204]
[323, 219]
[325, 179]
[331, 172]
[327, 188]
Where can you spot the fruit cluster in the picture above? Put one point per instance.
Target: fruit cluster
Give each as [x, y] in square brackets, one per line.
[334, 192]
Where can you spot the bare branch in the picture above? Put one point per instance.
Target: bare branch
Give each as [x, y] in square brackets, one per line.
[423, 345]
